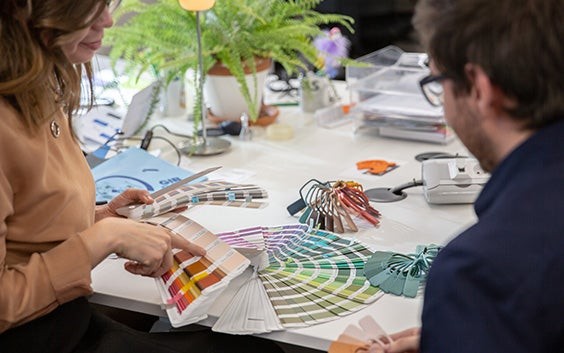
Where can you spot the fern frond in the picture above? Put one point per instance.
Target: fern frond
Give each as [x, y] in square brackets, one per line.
[162, 36]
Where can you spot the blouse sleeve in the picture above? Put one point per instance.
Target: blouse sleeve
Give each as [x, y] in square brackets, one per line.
[55, 273]
[30, 290]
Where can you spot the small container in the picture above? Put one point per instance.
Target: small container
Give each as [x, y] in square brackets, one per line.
[314, 92]
[173, 99]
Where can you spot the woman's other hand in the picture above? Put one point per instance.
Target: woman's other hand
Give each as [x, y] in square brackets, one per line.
[126, 198]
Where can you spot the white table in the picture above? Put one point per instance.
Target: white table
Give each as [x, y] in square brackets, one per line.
[282, 167]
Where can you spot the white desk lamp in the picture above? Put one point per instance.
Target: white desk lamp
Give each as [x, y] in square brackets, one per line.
[207, 146]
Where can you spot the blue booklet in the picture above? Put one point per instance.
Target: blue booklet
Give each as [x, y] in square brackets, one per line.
[135, 168]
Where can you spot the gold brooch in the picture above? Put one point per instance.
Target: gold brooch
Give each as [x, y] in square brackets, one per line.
[55, 129]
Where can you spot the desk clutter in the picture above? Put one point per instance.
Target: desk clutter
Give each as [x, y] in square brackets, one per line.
[302, 276]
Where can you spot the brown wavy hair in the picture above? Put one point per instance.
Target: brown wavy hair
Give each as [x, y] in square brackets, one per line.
[518, 43]
[36, 77]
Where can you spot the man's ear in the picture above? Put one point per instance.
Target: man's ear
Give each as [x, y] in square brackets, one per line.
[487, 97]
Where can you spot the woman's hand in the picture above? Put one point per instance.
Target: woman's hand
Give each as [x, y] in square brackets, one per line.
[128, 197]
[148, 247]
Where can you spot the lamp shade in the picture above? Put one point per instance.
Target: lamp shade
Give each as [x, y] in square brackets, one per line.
[196, 5]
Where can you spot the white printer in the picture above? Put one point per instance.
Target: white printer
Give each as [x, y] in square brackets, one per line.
[452, 180]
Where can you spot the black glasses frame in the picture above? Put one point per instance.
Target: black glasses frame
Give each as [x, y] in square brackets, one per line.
[434, 98]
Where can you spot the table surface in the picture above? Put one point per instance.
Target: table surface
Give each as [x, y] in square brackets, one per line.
[282, 167]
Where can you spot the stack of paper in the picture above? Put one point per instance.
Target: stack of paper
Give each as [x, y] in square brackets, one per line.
[392, 104]
[309, 276]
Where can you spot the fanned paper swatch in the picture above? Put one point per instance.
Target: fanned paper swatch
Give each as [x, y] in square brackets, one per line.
[194, 283]
[368, 336]
[302, 277]
[209, 193]
[400, 274]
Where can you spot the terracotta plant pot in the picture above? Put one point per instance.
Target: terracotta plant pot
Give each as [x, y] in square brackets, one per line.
[267, 116]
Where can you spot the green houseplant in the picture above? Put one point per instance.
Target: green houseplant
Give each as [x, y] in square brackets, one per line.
[161, 37]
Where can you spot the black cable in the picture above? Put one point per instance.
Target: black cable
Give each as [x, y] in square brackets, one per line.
[436, 155]
[146, 141]
[178, 155]
[398, 189]
[173, 146]
[168, 131]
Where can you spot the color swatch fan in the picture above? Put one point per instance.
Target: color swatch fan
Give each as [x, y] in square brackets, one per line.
[400, 274]
[209, 193]
[302, 277]
[191, 286]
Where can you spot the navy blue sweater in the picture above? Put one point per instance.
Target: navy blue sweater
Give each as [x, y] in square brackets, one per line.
[499, 286]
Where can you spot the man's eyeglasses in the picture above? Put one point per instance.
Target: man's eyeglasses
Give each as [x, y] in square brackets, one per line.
[433, 89]
[112, 4]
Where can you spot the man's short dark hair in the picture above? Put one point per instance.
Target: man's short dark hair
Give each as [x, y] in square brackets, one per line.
[518, 43]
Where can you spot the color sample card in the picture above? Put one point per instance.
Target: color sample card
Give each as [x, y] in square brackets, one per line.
[193, 283]
[401, 274]
[218, 193]
[309, 276]
[368, 336]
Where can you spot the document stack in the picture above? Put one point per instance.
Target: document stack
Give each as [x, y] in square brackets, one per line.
[388, 99]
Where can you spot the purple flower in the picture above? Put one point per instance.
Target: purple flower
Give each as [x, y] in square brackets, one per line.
[332, 46]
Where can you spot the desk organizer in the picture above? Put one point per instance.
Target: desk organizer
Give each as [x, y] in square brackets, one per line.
[388, 100]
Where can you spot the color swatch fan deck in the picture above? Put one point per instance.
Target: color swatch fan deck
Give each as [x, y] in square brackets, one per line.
[302, 277]
[191, 286]
[401, 274]
[206, 193]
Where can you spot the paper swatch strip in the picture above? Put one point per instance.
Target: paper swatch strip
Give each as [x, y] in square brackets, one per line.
[191, 286]
[401, 274]
[368, 336]
[210, 192]
[309, 276]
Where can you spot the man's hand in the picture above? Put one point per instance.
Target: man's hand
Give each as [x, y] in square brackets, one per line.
[406, 341]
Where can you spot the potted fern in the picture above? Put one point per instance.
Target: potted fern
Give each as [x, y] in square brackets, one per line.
[237, 35]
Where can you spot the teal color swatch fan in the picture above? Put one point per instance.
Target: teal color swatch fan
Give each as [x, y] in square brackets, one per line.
[400, 274]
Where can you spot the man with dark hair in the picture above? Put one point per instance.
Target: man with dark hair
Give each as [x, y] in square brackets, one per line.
[497, 68]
